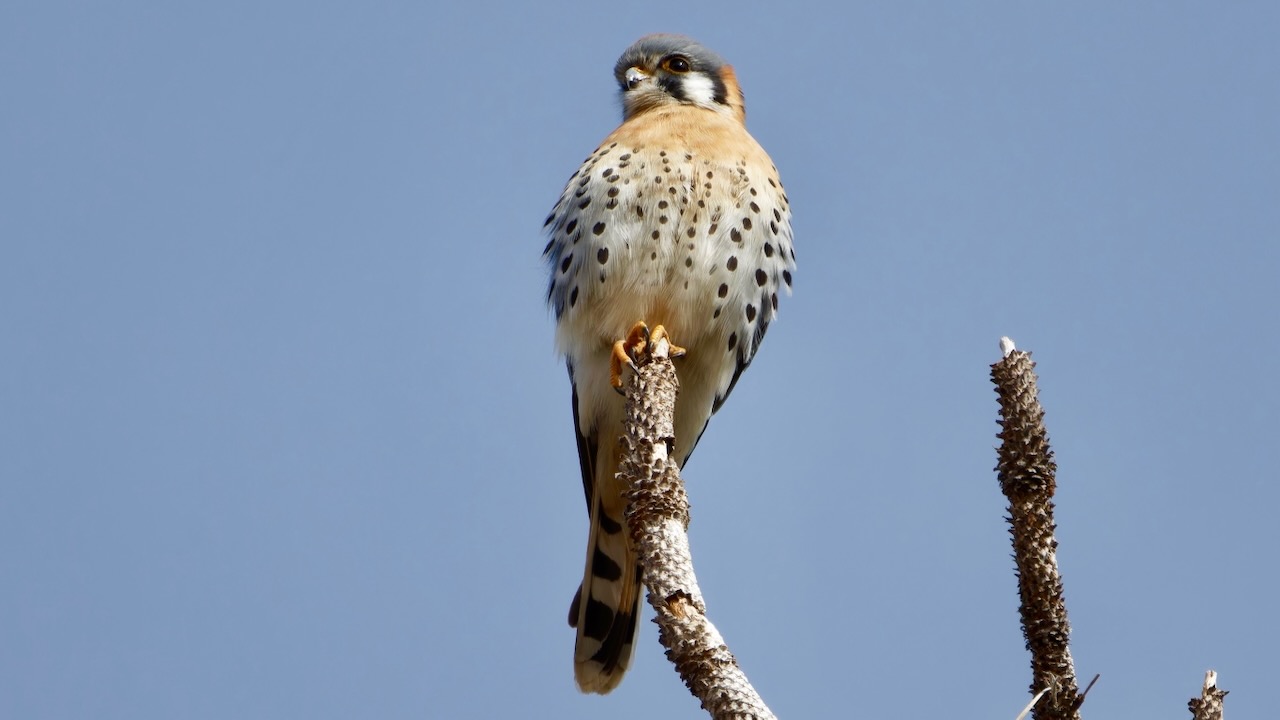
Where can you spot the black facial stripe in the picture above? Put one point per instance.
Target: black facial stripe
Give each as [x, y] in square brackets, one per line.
[674, 87]
[721, 94]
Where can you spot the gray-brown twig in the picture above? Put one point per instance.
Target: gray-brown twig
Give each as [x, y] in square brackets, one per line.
[658, 518]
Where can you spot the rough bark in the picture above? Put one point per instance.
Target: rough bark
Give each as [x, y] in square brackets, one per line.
[658, 518]
[1027, 474]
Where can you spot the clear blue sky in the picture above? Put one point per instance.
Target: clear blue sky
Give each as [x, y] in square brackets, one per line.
[282, 433]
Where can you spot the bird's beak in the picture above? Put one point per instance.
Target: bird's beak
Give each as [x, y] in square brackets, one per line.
[634, 77]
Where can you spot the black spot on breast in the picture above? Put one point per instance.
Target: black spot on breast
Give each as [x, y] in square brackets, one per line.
[573, 225]
[733, 341]
[773, 300]
[732, 263]
[761, 277]
[639, 211]
[547, 249]
[691, 232]
[585, 202]
[754, 207]
[613, 192]
[751, 312]
[712, 230]
[598, 229]
[613, 203]
[603, 255]
[768, 250]
[549, 219]
[564, 264]
[655, 234]
[773, 227]
[662, 204]
[573, 296]
[746, 223]
[777, 215]
[716, 314]
[688, 262]
[723, 291]
[662, 218]
[607, 172]
[786, 277]
[735, 235]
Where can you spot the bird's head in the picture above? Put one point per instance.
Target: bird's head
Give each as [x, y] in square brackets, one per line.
[667, 70]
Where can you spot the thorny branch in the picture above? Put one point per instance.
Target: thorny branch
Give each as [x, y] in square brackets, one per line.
[1027, 474]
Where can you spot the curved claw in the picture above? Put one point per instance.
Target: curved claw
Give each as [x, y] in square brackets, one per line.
[617, 358]
[638, 341]
[625, 352]
[660, 333]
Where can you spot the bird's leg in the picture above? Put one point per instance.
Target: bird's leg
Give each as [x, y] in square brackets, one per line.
[639, 340]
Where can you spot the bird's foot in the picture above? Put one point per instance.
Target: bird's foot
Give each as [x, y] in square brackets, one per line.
[660, 333]
[638, 342]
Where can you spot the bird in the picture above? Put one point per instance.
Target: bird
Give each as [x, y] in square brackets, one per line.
[676, 224]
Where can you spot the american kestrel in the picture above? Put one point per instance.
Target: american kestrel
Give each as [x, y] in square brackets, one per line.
[677, 221]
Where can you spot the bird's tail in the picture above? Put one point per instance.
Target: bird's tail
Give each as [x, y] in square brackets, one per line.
[606, 608]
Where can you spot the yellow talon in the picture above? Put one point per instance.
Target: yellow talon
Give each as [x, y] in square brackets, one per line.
[659, 333]
[638, 341]
[625, 351]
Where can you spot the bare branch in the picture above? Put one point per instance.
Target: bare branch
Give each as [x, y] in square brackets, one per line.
[1027, 475]
[1209, 705]
[658, 518]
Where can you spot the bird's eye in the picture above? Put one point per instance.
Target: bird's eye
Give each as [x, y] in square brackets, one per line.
[676, 64]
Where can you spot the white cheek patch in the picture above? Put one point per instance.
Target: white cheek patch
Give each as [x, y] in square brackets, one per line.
[699, 89]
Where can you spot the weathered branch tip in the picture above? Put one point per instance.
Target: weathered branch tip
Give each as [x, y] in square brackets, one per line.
[1006, 347]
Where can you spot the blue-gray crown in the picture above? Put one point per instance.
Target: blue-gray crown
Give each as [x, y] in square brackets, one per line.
[650, 50]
